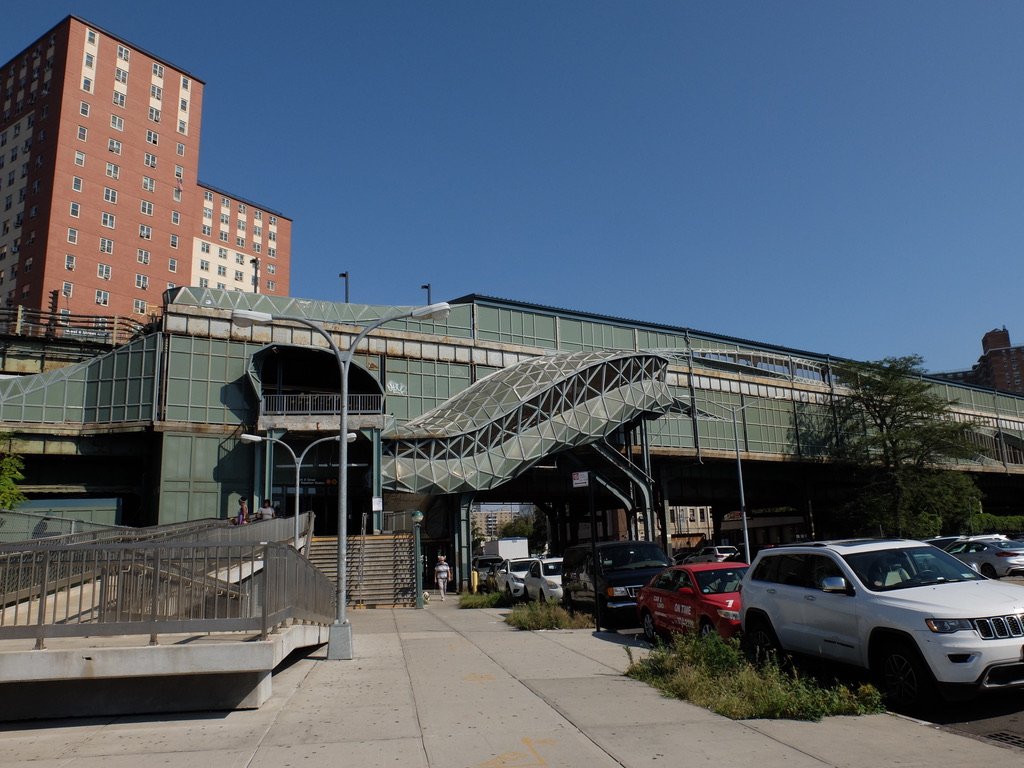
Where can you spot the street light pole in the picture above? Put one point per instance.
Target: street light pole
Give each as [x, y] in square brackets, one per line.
[739, 475]
[344, 276]
[246, 438]
[339, 643]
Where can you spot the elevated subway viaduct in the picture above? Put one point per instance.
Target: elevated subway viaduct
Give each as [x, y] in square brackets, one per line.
[504, 401]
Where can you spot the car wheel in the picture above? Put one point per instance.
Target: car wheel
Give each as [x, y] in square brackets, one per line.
[988, 570]
[904, 678]
[759, 640]
[706, 628]
[647, 622]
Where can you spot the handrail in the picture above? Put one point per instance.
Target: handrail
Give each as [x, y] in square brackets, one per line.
[110, 330]
[157, 588]
[319, 403]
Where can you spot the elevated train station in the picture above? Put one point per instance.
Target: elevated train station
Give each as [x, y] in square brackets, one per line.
[501, 402]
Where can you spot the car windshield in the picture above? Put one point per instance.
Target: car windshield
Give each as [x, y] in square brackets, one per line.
[553, 568]
[720, 580]
[519, 566]
[882, 570]
[634, 555]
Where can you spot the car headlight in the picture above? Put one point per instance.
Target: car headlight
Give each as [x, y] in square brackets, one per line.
[727, 614]
[617, 592]
[552, 584]
[948, 626]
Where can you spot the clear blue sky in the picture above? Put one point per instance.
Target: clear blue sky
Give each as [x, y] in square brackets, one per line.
[839, 177]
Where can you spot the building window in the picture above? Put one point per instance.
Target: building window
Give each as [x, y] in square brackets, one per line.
[117, 122]
[110, 195]
[256, 247]
[90, 61]
[222, 271]
[182, 126]
[204, 265]
[148, 184]
[158, 70]
[149, 160]
[90, 35]
[172, 265]
[76, 183]
[145, 232]
[207, 213]
[139, 307]
[272, 253]
[83, 109]
[271, 269]
[102, 298]
[76, 209]
[121, 75]
[153, 137]
[83, 133]
[223, 237]
[222, 253]
[154, 114]
[68, 288]
[156, 92]
[174, 241]
[143, 256]
[204, 247]
[204, 282]
[146, 208]
[123, 53]
[108, 220]
[141, 281]
[113, 171]
[103, 271]
[238, 275]
[87, 84]
[240, 242]
[119, 99]
[181, 149]
[113, 145]
[72, 235]
[69, 262]
[106, 245]
[175, 217]
[79, 158]
[271, 285]
[207, 230]
[184, 83]
[225, 218]
[239, 258]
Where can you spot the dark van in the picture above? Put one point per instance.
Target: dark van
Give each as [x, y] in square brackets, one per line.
[623, 567]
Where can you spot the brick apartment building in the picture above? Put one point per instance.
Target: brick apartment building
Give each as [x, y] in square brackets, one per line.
[1001, 366]
[101, 209]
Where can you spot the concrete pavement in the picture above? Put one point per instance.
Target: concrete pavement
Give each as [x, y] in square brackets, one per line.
[446, 688]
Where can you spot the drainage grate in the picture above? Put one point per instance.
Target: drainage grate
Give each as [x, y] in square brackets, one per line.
[1005, 737]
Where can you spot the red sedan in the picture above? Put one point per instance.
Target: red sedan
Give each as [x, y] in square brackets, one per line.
[697, 597]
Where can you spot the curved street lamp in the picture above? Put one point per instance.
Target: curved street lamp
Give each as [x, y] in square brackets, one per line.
[339, 644]
[246, 438]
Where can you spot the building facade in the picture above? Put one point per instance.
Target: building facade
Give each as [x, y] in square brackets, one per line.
[1001, 365]
[101, 209]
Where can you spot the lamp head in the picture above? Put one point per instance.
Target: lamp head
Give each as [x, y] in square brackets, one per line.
[438, 312]
[246, 318]
[417, 517]
[247, 438]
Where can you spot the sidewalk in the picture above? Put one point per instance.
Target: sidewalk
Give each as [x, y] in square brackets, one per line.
[450, 688]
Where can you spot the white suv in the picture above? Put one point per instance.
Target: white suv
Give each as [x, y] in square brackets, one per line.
[915, 616]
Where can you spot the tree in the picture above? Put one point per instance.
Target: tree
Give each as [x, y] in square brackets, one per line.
[533, 527]
[11, 472]
[897, 431]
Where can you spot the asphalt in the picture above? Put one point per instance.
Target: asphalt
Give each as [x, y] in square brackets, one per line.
[446, 688]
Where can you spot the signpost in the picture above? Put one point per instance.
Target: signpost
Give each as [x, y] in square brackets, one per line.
[582, 480]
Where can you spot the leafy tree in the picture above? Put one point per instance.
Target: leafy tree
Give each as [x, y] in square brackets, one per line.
[11, 472]
[533, 527]
[896, 429]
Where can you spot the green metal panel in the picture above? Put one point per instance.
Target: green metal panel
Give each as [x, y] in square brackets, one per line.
[415, 386]
[206, 380]
[515, 326]
[202, 475]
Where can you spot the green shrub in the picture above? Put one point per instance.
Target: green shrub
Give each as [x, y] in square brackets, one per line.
[546, 616]
[483, 600]
[713, 673]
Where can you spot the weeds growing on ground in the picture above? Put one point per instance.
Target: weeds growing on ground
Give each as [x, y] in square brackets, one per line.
[546, 616]
[483, 600]
[713, 673]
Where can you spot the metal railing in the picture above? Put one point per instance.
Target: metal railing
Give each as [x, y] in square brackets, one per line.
[97, 329]
[313, 403]
[54, 590]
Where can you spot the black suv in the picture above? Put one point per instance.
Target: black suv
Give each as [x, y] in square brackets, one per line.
[623, 567]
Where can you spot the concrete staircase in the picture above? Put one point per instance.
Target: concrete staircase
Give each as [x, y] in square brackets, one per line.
[380, 568]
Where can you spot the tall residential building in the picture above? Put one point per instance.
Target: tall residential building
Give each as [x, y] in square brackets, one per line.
[101, 209]
[1001, 366]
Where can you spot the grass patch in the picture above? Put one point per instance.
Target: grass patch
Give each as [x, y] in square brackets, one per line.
[483, 600]
[713, 673]
[534, 615]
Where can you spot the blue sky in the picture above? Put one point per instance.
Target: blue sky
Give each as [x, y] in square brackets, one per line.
[839, 177]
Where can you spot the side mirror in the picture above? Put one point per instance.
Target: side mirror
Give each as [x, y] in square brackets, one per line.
[687, 590]
[835, 584]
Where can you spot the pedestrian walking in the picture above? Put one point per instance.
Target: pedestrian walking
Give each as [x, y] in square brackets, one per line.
[441, 573]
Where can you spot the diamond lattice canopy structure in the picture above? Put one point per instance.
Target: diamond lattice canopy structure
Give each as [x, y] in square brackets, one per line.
[502, 425]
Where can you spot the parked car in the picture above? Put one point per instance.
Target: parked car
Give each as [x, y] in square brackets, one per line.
[482, 564]
[919, 619]
[543, 580]
[613, 581]
[713, 554]
[943, 542]
[508, 576]
[699, 597]
[992, 557]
